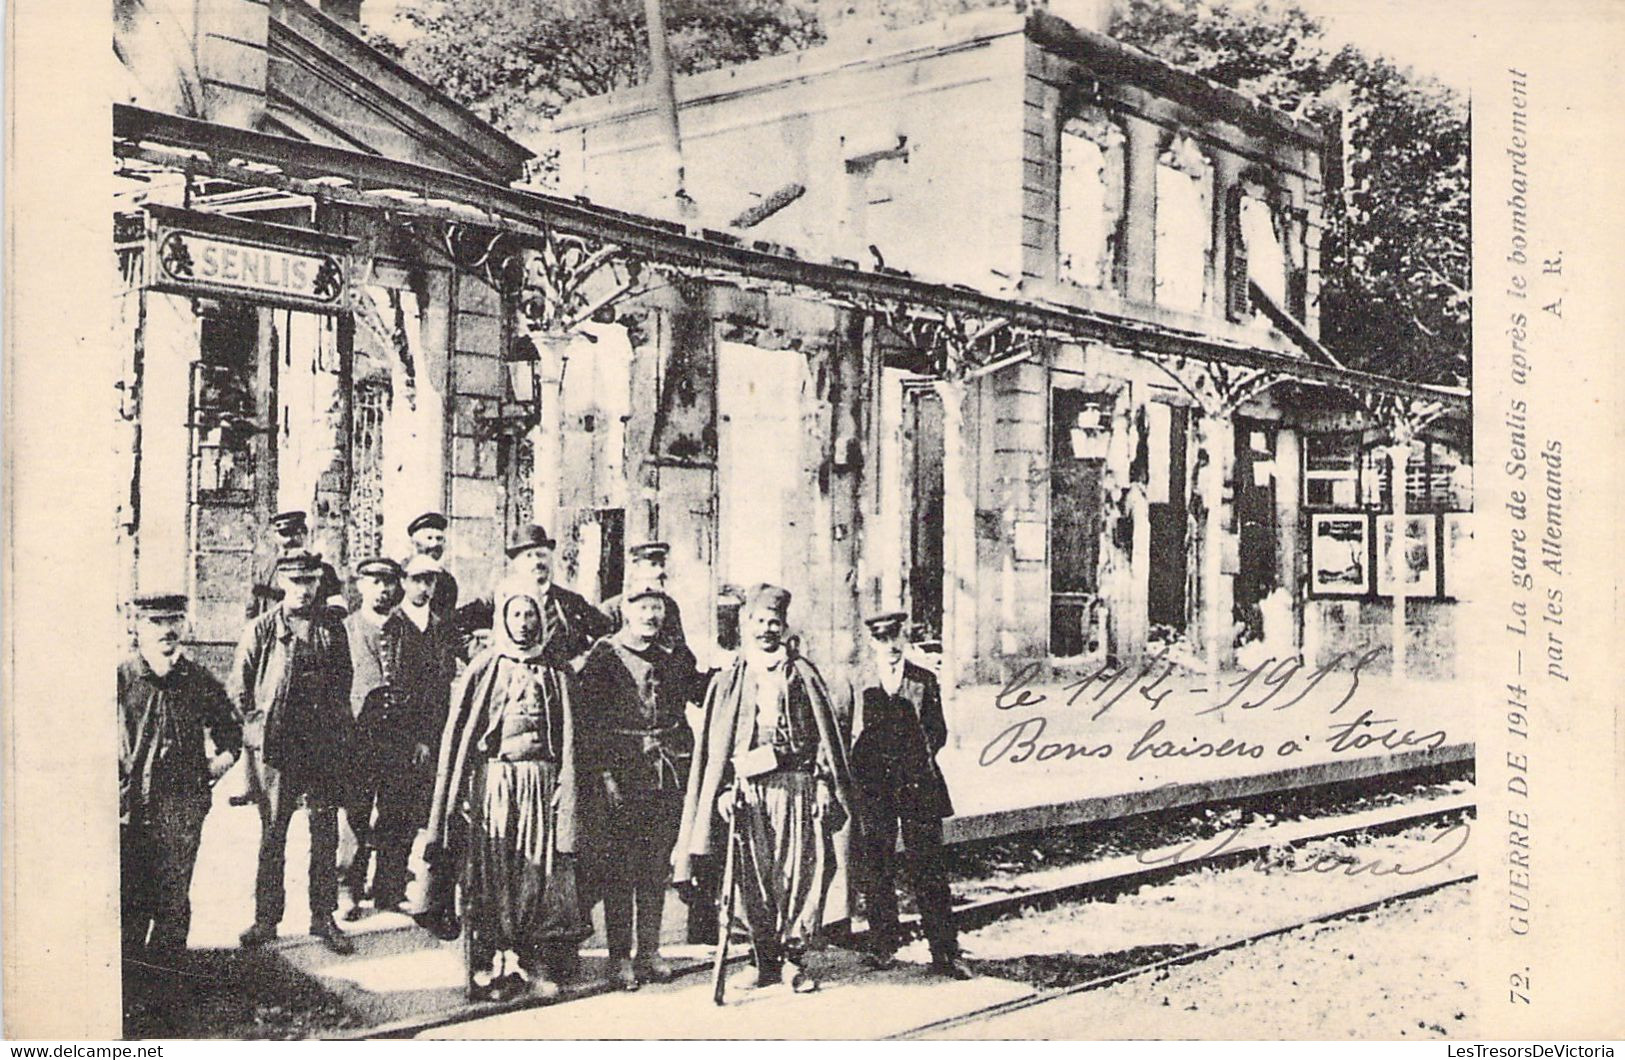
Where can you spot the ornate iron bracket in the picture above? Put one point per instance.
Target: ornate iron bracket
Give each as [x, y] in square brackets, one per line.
[1217, 389]
[954, 346]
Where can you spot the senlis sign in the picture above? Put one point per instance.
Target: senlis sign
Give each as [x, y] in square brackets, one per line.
[230, 257]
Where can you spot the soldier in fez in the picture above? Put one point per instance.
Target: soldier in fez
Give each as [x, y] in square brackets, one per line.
[398, 718]
[898, 728]
[178, 735]
[770, 750]
[291, 683]
[633, 749]
[428, 534]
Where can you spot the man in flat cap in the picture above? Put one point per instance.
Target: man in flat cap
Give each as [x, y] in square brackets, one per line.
[646, 568]
[897, 730]
[570, 625]
[397, 718]
[770, 750]
[178, 735]
[633, 746]
[291, 683]
[428, 535]
[291, 531]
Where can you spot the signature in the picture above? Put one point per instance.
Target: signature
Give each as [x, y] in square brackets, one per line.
[1446, 844]
[1283, 682]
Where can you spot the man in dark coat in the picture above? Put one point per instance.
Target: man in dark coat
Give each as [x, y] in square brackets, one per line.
[398, 719]
[570, 623]
[428, 534]
[291, 682]
[646, 568]
[178, 734]
[770, 751]
[633, 747]
[897, 730]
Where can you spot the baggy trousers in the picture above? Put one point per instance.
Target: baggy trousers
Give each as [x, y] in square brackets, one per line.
[786, 863]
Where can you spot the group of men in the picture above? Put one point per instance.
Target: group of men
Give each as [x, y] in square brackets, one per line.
[341, 702]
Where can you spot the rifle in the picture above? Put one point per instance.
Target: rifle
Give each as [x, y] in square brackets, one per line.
[726, 916]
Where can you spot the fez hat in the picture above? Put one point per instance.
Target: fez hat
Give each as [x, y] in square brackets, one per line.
[288, 521]
[378, 567]
[426, 521]
[300, 565]
[771, 597]
[530, 537]
[421, 565]
[640, 590]
[887, 625]
[652, 550]
[160, 604]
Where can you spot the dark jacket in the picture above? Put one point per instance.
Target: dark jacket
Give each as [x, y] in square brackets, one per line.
[898, 736]
[162, 725]
[294, 695]
[636, 730]
[671, 636]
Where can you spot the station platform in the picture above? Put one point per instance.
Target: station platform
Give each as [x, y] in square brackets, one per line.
[1045, 774]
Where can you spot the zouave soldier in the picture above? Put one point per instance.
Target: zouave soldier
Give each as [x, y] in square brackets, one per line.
[770, 750]
[503, 816]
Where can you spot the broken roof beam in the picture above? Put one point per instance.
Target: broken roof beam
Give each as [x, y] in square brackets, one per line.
[769, 206]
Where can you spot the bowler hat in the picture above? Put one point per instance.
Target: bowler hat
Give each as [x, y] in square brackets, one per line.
[530, 537]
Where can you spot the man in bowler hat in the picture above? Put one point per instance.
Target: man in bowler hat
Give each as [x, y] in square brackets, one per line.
[897, 730]
[565, 614]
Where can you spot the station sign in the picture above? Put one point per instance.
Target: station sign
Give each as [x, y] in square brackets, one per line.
[220, 256]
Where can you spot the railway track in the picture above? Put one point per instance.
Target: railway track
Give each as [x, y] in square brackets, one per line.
[1099, 880]
[1041, 997]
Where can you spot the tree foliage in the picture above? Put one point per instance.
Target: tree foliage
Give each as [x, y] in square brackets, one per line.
[1395, 251]
[1396, 257]
[516, 62]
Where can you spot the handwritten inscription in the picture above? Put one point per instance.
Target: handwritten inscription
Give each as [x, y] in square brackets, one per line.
[1275, 684]
[1444, 846]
